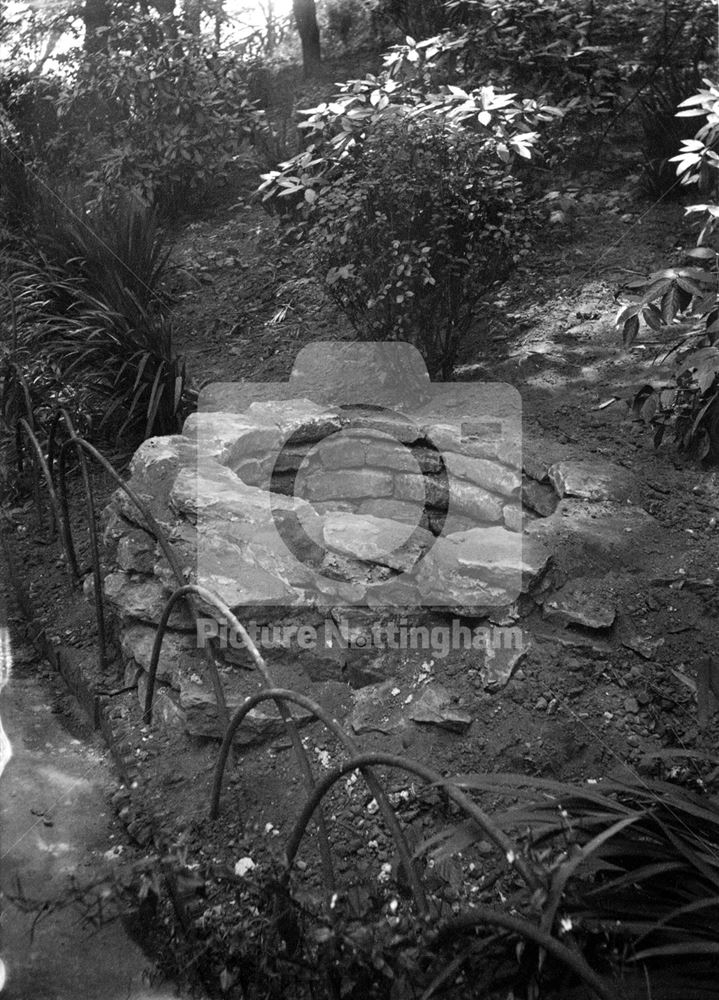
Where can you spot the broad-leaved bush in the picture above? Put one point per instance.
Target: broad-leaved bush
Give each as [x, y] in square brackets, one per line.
[166, 120]
[409, 200]
[680, 305]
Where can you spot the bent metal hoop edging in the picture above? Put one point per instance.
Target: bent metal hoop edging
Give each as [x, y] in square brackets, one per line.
[279, 695]
[152, 524]
[38, 458]
[205, 594]
[22, 429]
[195, 590]
[30, 420]
[489, 828]
[92, 528]
[177, 595]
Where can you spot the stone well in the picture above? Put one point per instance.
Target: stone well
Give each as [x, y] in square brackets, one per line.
[321, 522]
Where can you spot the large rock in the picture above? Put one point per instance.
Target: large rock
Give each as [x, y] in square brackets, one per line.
[342, 451]
[345, 484]
[263, 723]
[144, 598]
[430, 490]
[475, 503]
[165, 700]
[137, 643]
[391, 455]
[491, 476]
[155, 502]
[591, 480]
[213, 493]
[539, 497]
[114, 527]
[157, 461]
[484, 567]
[230, 438]
[300, 419]
[393, 510]
[136, 551]
[449, 438]
[245, 578]
[376, 540]
[388, 425]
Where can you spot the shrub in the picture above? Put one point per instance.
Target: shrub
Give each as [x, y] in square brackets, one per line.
[166, 120]
[407, 198]
[681, 305]
[91, 313]
[661, 133]
[410, 238]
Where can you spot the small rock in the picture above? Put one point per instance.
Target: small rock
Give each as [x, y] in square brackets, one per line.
[374, 710]
[591, 480]
[633, 740]
[539, 497]
[243, 866]
[581, 602]
[435, 706]
[643, 645]
[541, 705]
[631, 705]
[500, 665]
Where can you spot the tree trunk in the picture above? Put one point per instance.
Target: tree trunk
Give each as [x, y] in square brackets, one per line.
[96, 15]
[192, 16]
[271, 43]
[306, 19]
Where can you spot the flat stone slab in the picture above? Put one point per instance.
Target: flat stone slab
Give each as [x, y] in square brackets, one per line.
[391, 510]
[583, 602]
[345, 484]
[436, 706]
[485, 567]
[449, 438]
[230, 438]
[263, 723]
[243, 576]
[301, 419]
[475, 503]
[376, 540]
[591, 480]
[491, 476]
[213, 493]
[377, 708]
